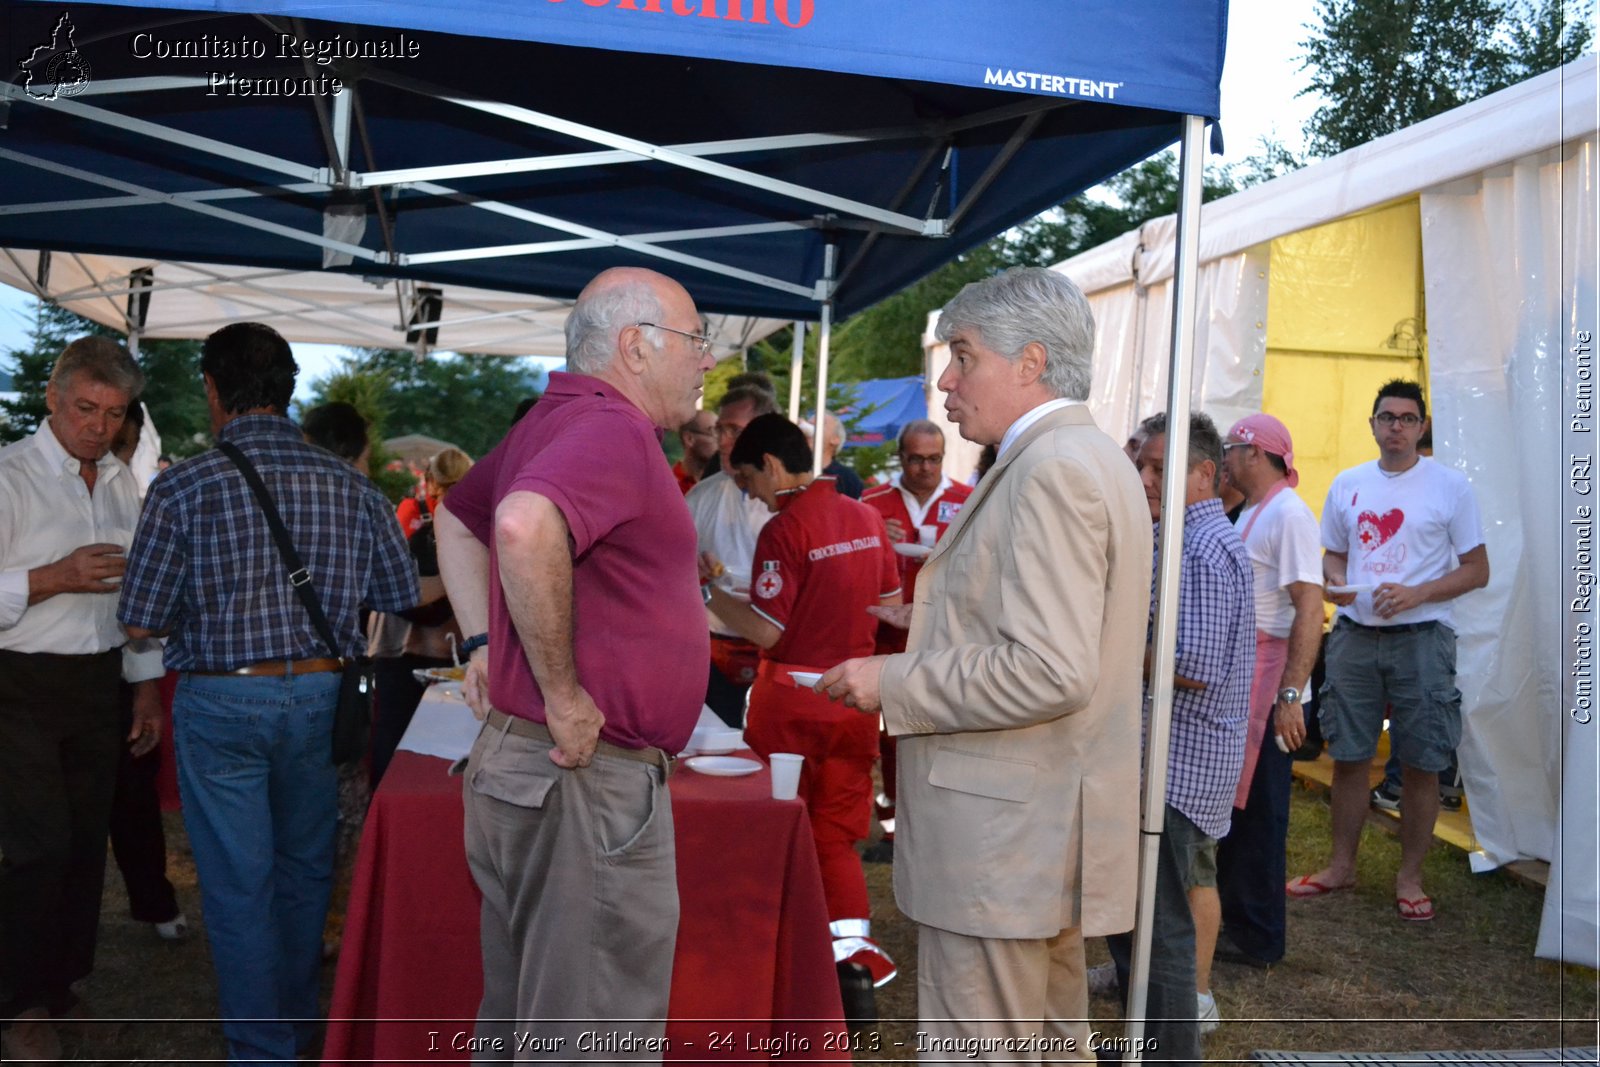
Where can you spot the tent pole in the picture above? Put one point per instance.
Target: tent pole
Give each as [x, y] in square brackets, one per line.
[829, 259]
[796, 366]
[1179, 374]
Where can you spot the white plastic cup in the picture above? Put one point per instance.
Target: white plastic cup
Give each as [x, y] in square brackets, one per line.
[927, 535]
[785, 775]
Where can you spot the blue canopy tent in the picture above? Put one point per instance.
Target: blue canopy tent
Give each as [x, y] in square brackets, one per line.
[795, 158]
[879, 407]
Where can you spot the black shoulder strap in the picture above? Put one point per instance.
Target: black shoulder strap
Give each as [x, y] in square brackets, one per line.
[299, 577]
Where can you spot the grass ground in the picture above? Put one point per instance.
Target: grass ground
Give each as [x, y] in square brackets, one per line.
[1356, 978]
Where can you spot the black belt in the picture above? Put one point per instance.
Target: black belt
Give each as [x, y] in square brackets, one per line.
[1398, 628]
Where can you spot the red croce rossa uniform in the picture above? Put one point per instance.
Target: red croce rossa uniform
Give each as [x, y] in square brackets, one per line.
[818, 565]
[889, 500]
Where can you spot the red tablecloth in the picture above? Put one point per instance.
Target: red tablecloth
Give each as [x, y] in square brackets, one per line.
[754, 968]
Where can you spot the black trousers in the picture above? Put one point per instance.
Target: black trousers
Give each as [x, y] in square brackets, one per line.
[394, 702]
[1252, 861]
[58, 767]
[138, 840]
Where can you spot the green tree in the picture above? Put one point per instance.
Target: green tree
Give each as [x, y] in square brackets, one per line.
[173, 391]
[466, 400]
[1384, 65]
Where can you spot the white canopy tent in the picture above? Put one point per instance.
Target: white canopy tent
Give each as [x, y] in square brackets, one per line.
[1506, 191]
[168, 299]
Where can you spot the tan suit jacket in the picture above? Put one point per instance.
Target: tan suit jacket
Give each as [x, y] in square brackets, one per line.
[1018, 698]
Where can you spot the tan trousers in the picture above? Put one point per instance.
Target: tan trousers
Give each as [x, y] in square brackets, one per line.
[1009, 1000]
[580, 902]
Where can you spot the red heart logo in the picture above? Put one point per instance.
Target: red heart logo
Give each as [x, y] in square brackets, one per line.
[1375, 529]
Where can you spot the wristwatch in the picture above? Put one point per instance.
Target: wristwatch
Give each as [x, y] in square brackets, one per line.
[473, 643]
[1291, 695]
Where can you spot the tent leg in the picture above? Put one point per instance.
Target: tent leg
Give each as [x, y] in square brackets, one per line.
[830, 258]
[1179, 375]
[796, 366]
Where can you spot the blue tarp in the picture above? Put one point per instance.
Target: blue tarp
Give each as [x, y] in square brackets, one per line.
[902, 106]
[888, 403]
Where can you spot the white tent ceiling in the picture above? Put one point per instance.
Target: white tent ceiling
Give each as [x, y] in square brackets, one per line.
[190, 300]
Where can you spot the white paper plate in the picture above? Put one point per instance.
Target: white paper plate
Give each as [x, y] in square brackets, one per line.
[1339, 590]
[913, 551]
[805, 679]
[723, 766]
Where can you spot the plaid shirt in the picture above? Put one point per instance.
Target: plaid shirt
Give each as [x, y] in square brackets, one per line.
[1217, 646]
[204, 563]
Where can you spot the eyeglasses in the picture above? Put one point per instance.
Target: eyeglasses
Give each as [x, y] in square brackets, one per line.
[925, 461]
[730, 429]
[1389, 418]
[701, 340]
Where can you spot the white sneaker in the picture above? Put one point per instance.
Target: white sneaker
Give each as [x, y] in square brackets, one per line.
[1103, 980]
[1206, 1012]
[174, 929]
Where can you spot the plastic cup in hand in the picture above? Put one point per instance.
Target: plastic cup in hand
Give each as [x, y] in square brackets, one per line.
[927, 535]
[785, 775]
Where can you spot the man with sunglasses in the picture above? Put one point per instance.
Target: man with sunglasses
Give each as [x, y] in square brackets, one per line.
[1401, 540]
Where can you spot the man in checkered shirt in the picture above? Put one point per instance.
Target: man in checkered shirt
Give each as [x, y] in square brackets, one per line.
[1210, 713]
[253, 714]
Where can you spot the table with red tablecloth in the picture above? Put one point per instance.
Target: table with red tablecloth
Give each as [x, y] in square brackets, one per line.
[754, 970]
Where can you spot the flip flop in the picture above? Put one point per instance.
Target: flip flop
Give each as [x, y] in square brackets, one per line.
[1307, 886]
[1416, 909]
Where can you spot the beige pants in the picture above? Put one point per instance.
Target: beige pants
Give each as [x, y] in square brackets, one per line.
[1009, 1000]
[580, 902]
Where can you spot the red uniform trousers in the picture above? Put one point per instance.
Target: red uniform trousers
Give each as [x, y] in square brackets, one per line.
[839, 745]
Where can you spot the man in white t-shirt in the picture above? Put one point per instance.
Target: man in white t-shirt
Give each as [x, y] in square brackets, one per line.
[1280, 535]
[726, 522]
[1402, 540]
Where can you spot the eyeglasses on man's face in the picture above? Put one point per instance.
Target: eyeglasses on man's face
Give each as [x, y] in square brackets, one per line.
[1388, 418]
[701, 340]
[908, 460]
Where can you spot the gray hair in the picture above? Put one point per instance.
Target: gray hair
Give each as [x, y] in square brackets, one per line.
[103, 360]
[1027, 304]
[598, 317]
[1205, 442]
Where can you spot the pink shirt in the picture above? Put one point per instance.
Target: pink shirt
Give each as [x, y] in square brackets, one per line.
[639, 633]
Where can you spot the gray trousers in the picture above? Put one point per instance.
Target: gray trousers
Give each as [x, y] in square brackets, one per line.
[580, 902]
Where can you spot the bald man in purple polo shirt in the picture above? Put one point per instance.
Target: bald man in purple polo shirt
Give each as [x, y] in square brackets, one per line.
[569, 546]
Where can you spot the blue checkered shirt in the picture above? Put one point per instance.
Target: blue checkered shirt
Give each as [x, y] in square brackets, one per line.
[1217, 646]
[204, 564]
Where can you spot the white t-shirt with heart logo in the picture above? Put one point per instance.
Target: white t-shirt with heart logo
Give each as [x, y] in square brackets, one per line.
[1409, 529]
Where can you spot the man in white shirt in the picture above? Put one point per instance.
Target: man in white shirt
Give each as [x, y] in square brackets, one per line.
[1280, 535]
[62, 656]
[726, 522]
[1402, 540]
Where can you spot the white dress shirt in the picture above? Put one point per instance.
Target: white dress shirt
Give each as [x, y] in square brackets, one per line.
[727, 521]
[1028, 419]
[46, 511]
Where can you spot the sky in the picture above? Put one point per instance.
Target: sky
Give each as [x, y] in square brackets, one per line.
[1260, 83]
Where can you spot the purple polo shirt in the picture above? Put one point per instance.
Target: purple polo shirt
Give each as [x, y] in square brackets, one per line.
[639, 631]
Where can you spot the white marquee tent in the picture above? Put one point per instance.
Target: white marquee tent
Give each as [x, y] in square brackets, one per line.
[1506, 190]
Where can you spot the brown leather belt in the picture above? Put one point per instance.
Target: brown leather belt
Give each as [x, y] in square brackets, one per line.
[499, 720]
[277, 668]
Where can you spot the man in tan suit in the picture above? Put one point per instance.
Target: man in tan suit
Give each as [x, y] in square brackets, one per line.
[1017, 700]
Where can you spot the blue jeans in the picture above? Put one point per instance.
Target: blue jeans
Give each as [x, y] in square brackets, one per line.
[1170, 1002]
[260, 803]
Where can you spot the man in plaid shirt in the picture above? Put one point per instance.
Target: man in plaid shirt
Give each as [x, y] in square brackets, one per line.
[253, 714]
[1210, 712]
